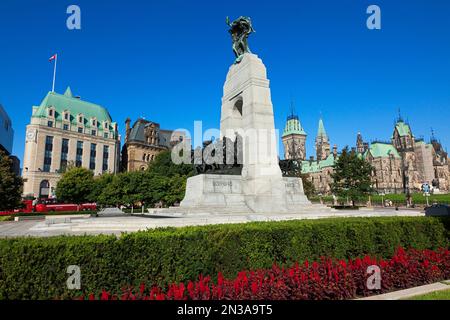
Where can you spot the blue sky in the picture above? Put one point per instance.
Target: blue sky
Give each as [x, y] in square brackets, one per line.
[167, 61]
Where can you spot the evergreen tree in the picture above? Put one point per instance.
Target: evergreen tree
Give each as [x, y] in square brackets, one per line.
[11, 185]
[352, 176]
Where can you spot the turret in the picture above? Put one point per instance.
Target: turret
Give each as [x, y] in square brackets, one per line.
[294, 139]
[322, 142]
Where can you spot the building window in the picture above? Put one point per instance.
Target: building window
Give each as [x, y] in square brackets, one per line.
[65, 127]
[80, 130]
[105, 157]
[92, 156]
[93, 132]
[106, 135]
[64, 152]
[79, 154]
[44, 189]
[48, 153]
[50, 112]
[66, 116]
[50, 124]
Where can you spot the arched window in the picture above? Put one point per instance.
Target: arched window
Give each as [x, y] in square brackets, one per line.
[238, 106]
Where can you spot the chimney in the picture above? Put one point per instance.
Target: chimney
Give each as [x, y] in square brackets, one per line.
[127, 128]
[335, 151]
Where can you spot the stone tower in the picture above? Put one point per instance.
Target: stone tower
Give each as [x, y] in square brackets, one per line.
[322, 143]
[361, 146]
[403, 138]
[294, 139]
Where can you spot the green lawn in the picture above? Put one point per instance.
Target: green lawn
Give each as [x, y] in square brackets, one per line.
[438, 295]
[417, 198]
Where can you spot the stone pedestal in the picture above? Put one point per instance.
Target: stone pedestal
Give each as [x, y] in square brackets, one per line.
[225, 194]
[247, 110]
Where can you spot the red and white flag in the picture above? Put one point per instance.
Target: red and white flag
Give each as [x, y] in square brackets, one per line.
[53, 57]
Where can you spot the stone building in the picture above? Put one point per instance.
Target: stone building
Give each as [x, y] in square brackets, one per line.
[317, 170]
[143, 141]
[441, 165]
[386, 163]
[65, 130]
[322, 143]
[407, 162]
[401, 164]
[294, 139]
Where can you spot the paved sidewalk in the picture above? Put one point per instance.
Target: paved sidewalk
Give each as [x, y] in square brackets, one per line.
[412, 292]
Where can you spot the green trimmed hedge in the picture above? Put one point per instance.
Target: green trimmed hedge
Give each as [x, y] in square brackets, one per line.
[35, 268]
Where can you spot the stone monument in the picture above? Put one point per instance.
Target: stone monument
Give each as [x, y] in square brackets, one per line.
[247, 111]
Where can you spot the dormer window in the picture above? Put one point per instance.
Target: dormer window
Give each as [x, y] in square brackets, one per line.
[105, 125]
[66, 116]
[51, 112]
[80, 119]
[94, 122]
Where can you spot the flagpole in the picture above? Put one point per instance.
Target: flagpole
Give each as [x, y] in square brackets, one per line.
[54, 72]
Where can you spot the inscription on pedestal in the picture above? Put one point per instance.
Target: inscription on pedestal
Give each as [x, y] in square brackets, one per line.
[222, 186]
[293, 186]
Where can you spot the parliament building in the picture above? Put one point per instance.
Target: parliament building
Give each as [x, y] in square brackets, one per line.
[404, 162]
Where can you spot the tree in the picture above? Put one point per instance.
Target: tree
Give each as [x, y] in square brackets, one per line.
[101, 182]
[163, 181]
[11, 185]
[111, 194]
[352, 176]
[162, 165]
[75, 186]
[308, 186]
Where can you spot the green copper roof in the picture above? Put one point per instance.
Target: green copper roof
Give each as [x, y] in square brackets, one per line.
[382, 150]
[313, 167]
[321, 131]
[293, 126]
[75, 106]
[403, 128]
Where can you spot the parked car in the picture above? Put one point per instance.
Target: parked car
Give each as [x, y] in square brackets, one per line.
[437, 210]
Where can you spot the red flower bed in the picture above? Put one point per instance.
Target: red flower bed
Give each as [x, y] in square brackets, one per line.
[325, 279]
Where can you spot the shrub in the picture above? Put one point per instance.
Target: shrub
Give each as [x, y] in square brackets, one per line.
[327, 279]
[35, 268]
